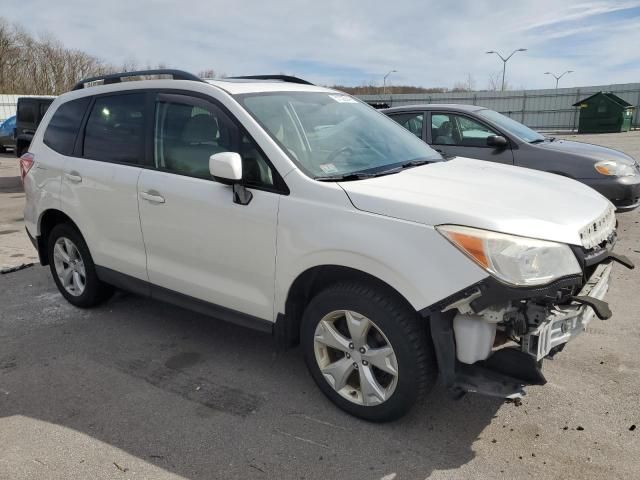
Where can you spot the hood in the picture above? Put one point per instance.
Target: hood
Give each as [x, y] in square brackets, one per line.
[595, 153]
[482, 194]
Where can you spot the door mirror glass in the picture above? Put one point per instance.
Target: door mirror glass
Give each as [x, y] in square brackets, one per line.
[226, 167]
[497, 141]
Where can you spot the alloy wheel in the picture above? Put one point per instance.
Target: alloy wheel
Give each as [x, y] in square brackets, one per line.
[69, 266]
[355, 357]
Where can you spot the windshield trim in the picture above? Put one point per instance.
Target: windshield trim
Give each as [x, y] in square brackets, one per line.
[239, 97]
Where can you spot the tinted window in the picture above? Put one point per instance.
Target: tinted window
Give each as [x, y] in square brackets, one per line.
[187, 134]
[26, 112]
[510, 125]
[61, 132]
[411, 121]
[115, 129]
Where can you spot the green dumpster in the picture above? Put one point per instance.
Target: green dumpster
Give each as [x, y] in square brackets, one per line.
[604, 112]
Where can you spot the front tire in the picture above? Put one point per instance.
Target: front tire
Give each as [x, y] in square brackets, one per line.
[367, 350]
[73, 269]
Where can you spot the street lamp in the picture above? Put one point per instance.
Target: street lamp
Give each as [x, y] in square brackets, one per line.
[558, 77]
[505, 60]
[384, 81]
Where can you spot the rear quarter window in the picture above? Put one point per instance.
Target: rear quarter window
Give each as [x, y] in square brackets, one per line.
[26, 112]
[62, 130]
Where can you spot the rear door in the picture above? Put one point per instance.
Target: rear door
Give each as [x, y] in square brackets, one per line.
[99, 182]
[460, 135]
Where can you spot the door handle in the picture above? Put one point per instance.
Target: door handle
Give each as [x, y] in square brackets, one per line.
[152, 196]
[73, 177]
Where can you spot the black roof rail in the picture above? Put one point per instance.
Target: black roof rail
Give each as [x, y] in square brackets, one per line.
[117, 77]
[282, 78]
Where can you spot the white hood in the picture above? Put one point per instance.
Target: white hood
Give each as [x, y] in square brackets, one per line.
[487, 195]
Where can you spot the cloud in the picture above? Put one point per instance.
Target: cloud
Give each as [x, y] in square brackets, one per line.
[344, 41]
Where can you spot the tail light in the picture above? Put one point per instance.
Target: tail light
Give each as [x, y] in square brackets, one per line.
[26, 162]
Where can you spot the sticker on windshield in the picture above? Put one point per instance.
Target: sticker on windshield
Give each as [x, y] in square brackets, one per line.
[329, 168]
[343, 99]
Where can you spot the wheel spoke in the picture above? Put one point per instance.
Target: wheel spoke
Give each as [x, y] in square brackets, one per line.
[358, 326]
[382, 358]
[329, 336]
[70, 248]
[337, 373]
[372, 391]
[67, 276]
[59, 252]
[77, 282]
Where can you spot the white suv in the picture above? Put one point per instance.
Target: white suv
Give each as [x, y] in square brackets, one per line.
[301, 211]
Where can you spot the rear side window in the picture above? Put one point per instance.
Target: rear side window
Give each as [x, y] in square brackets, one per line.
[26, 112]
[62, 130]
[115, 129]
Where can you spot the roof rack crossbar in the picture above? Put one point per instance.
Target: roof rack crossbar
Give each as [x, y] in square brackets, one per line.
[283, 78]
[117, 77]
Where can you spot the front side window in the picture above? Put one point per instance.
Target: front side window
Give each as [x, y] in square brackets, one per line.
[459, 130]
[188, 132]
[329, 134]
[115, 129]
[63, 127]
[411, 121]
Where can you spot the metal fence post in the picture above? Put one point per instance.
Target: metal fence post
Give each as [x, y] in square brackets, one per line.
[524, 105]
[575, 111]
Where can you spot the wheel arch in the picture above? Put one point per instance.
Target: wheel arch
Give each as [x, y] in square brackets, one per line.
[49, 219]
[310, 282]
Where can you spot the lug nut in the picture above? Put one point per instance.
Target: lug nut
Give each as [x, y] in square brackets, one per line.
[362, 350]
[351, 346]
[365, 363]
[348, 355]
[355, 365]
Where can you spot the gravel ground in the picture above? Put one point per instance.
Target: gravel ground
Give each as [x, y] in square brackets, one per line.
[137, 389]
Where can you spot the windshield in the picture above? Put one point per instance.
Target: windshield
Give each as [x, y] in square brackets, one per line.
[517, 129]
[333, 134]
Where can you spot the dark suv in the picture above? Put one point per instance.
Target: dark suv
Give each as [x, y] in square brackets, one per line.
[30, 113]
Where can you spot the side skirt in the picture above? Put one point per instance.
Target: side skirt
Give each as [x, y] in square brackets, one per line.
[147, 289]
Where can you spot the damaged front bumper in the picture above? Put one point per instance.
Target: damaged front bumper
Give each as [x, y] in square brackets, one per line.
[535, 324]
[567, 322]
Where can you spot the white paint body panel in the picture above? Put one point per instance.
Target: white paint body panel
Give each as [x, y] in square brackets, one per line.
[481, 194]
[201, 244]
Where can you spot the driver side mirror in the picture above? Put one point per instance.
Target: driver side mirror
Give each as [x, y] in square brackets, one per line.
[497, 141]
[226, 168]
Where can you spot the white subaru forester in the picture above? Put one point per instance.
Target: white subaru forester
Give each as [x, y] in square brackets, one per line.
[302, 211]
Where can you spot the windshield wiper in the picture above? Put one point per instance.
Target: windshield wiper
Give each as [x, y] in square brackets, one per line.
[416, 163]
[537, 140]
[356, 176]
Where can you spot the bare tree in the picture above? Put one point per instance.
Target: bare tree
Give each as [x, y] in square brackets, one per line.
[468, 85]
[495, 83]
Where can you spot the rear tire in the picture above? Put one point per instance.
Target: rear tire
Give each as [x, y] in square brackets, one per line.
[351, 324]
[73, 269]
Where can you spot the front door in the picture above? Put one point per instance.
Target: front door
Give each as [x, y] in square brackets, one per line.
[198, 241]
[460, 135]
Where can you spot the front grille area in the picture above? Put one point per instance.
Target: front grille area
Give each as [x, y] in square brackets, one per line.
[600, 229]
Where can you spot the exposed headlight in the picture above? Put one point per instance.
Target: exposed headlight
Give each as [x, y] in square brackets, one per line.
[615, 168]
[515, 260]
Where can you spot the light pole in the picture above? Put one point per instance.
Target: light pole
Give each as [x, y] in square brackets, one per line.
[505, 60]
[558, 77]
[384, 81]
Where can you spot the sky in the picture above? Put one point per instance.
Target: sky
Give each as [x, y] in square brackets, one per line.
[429, 43]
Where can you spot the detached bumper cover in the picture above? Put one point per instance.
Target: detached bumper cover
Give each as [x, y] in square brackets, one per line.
[567, 322]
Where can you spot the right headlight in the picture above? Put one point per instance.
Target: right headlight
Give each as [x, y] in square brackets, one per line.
[615, 168]
[519, 261]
